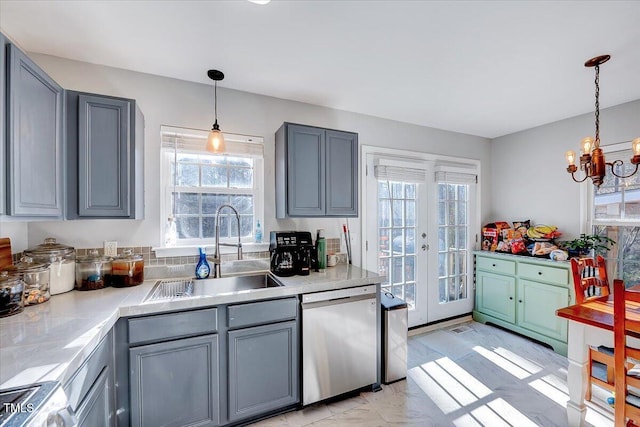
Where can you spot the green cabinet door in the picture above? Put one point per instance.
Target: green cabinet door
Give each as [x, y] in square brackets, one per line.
[495, 295]
[537, 305]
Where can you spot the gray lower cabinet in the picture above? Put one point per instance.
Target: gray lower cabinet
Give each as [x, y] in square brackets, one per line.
[316, 172]
[103, 152]
[263, 369]
[34, 139]
[175, 383]
[91, 390]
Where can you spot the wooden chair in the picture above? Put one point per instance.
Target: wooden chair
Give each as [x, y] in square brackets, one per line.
[590, 281]
[627, 405]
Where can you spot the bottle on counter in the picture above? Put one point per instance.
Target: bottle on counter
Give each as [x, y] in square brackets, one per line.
[321, 248]
[202, 268]
[258, 234]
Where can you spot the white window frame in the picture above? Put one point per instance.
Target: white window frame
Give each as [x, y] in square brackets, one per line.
[237, 146]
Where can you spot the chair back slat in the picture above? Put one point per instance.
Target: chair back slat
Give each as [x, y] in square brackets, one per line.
[590, 278]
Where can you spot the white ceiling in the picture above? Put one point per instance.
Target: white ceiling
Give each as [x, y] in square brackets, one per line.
[486, 68]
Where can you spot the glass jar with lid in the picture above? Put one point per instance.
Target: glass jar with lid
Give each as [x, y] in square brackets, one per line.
[11, 291]
[62, 264]
[127, 270]
[92, 271]
[36, 280]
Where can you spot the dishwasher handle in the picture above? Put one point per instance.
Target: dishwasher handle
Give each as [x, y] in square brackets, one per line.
[368, 291]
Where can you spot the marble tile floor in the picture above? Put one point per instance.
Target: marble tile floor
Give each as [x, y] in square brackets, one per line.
[478, 376]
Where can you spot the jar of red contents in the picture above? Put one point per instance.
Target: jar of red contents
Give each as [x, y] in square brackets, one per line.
[36, 280]
[127, 270]
[92, 271]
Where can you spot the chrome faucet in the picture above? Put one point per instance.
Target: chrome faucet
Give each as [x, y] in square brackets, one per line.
[216, 255]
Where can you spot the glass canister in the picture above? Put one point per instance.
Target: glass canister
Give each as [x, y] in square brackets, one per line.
[127, 270]
[11, 291]
[36, 280]
[62, 264]
[92, 271]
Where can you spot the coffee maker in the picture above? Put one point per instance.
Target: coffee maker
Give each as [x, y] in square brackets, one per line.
[291, 252]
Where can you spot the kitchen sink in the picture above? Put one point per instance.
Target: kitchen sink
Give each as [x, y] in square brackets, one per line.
[183, 288]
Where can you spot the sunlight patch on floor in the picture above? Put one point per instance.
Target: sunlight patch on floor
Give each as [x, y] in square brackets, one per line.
[502, 362]
[494, 414]
[526, 364]
[547, 388]
[433, 390]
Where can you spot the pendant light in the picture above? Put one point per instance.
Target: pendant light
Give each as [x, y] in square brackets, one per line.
[215, 142]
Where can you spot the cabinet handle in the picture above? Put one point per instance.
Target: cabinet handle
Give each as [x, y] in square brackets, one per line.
[493, 265]
[511, 298]
[520, 301]
[539, 273]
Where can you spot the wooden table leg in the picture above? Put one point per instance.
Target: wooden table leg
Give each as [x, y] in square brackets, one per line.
[577, 374]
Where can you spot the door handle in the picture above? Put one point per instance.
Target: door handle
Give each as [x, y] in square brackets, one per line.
[425, 247]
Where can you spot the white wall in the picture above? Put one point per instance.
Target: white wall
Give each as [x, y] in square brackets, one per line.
[529, 177]
[174, 102]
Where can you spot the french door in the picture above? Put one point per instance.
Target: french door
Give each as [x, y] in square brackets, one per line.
[417, 235]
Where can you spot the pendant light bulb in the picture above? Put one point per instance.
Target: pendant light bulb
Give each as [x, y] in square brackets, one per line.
[215, 141]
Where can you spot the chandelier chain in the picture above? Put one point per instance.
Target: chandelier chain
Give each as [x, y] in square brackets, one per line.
[597, 141]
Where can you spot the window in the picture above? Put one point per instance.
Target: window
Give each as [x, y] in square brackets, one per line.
[616, 213]
[196, 183]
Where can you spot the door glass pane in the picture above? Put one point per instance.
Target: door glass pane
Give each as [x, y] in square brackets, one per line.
[453, 233]
[397, 213]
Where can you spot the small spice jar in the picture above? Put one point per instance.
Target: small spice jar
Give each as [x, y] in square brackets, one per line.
[11, 292]
[62, 264]
[36, 280]
[92, 271]
[127, 270]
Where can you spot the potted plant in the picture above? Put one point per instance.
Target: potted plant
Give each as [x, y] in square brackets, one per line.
[588, 244]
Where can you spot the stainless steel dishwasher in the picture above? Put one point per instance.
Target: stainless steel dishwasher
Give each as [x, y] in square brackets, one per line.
[339, 342]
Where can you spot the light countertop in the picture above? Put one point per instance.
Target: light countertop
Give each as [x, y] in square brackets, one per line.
[49, 341]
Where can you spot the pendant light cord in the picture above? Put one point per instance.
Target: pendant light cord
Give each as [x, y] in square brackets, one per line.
[175, 176]
[215, 100]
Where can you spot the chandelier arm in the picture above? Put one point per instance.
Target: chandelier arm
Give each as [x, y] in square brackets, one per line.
[620, 163]
[573, 176]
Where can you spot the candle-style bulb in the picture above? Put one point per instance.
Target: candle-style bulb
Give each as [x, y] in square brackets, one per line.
[571, 157]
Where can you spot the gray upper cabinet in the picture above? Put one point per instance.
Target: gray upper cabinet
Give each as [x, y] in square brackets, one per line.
[104, 173]
[34, 141]
[316, 172]
[3, 120]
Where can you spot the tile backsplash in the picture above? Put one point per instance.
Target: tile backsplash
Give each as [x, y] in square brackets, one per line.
[149, 256]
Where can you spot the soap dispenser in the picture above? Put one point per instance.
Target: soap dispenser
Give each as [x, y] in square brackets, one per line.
[202, 269]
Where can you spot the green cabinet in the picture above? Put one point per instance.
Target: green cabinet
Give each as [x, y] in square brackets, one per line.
[523, 294]
[495, 295]
[316, 172]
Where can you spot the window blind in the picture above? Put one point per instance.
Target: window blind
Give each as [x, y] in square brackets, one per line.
[396, 170]
[456, 174]
[194, 141]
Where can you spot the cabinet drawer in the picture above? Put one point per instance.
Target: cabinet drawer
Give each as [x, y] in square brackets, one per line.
[78, 386]
[257, 313]
[174, 325]
[496, 265]
[543, 273]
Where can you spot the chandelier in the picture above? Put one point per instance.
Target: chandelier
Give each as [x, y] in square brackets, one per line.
[592, 160]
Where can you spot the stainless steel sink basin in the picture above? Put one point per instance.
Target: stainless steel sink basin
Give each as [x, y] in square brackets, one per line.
[182, 288]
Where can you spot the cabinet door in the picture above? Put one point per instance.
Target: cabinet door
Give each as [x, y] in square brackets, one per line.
[495, 295]
[175, 383]
[263, 369]
[104, 150]
[537, 305]
[97, 407]
[35, 139]
[341, 173]
[305, 171]
[3, 120]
